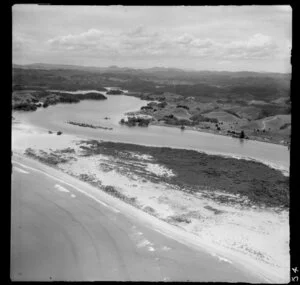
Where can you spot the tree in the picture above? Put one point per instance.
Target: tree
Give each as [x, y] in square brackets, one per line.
[242, 135]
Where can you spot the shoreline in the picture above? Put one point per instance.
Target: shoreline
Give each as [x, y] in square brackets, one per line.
[285, 171]
[169, 230]
[160, 124]
[210, 131]
[240, 258]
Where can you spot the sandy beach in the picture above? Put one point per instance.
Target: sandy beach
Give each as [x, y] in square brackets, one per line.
[253, 236]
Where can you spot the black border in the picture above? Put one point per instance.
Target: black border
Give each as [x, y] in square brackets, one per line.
[294, 151]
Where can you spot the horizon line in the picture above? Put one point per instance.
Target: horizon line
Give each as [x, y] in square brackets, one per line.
[146, 68]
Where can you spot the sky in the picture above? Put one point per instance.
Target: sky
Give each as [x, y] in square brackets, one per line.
[232, 38]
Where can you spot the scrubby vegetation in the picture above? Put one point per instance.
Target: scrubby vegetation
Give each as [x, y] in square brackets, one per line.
[114, 192]
[31, 100]
[179, 219]
[286, 125]
[114, 92]
[24, 106]
[53, 158]
[88, 125]
[195, 171]
[136, 121]
[183, 106]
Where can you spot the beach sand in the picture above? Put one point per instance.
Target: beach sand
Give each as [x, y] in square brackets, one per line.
[257, 236]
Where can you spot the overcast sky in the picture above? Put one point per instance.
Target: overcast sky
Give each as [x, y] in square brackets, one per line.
[256, 38]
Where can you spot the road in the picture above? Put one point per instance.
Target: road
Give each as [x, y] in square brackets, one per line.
[60, 231]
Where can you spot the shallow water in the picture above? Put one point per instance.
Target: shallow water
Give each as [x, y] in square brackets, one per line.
[94, 112]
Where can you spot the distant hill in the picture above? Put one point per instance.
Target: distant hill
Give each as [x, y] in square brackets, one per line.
[207, 85]
[153, 70]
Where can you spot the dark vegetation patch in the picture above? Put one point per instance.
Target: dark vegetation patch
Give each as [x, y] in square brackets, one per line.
[233, 113]
[114, 192]
[115, 92]
[52, 158]
[194, 170]
[84, 125]
[149, 210]
[24, 106]
[173, 120]
[183, 106]
[29, 100]
[286, 125]
[178, 219]
[136, 121]
[216, 211]
[67, 150]
[83, 96]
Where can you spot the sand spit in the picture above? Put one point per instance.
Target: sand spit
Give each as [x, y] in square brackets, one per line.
[260, 235]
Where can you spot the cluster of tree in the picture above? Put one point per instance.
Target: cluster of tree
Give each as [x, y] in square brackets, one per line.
[285, 126]
[182, 106]
[240, 135]
[24, 106]
[232, 113]
[68, 98]
[162, 104]
[152, 96]
[133, 121]
[85, 96]
[152, 105]
[87, 125]
[173, 120]
[146, 108]
[115, 92]
[54, 98]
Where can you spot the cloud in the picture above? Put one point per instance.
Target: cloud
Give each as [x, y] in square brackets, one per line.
[255, 47]
[142, 42]
[22, 43]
